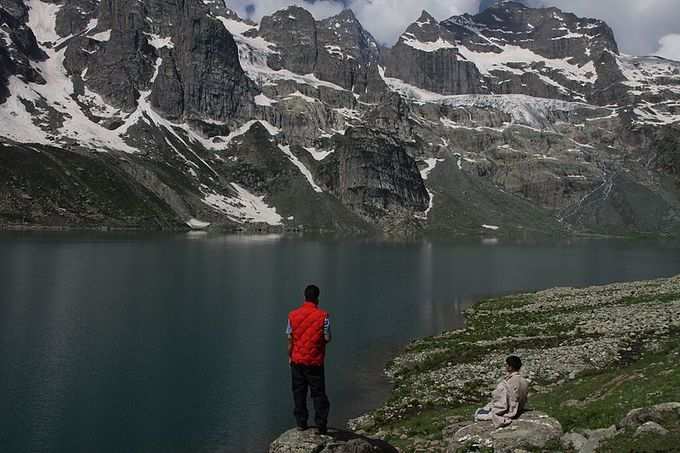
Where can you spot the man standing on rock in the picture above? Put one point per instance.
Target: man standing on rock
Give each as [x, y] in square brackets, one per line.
[509, 398]
[308, 333]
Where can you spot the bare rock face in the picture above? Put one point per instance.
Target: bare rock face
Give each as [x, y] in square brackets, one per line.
[348, 55]
[374, 176]
[18, 47]
[293, 30]
[183, 56]
[533, 430]
[201, 76]
[426, 57]
[295, 441]
[15, 8]
[75, 16]
[119, 60]
[337, 49]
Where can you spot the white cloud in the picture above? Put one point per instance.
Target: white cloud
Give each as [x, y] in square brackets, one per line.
[669, 47]
[389, 18]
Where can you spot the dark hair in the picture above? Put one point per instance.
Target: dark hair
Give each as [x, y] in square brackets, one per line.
[514, 362]
[312, 293]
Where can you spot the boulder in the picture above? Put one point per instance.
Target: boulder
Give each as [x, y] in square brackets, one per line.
[595, 436]
[658, 414]
[651, 428]
[337, 441]
[574, 441]
[599, 435]
[532, 430]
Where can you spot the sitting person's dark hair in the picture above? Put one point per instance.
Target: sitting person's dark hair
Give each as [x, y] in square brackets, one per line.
[514, 362]
[312, 293]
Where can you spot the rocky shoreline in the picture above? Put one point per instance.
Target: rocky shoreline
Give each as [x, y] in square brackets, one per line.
[592, 355]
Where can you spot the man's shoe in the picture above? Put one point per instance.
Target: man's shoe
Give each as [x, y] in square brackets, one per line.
[322, 430]
[302, 427]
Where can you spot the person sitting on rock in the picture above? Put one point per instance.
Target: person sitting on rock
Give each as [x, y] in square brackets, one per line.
[509, 398]
[308, 333]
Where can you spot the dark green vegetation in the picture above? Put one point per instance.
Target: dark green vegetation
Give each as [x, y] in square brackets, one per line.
[46, 186]
[464, 202]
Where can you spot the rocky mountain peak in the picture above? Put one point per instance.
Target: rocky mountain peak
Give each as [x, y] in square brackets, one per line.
[347, 14]
[337, 49]
[288, 14]
[426, 18]
[344, 22]
[426, 28]
[233, 122]
[507, 48]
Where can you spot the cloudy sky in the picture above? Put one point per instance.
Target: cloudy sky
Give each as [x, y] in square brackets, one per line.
[642, 27]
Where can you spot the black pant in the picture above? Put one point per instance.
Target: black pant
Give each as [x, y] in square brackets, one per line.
[304, 376]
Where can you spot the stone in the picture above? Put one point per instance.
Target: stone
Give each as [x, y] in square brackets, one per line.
[337, 441]
[599, 435]
[657, 413]
[651, 428]
[573, 440]
[595, 436]
[532, 430]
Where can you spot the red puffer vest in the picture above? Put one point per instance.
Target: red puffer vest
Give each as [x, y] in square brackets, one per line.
[309, 344]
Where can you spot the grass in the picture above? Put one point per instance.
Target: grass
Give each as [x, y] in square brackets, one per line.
[645, 443]
[600, 399]
[663, 298]
[594, 399]
[604, 398]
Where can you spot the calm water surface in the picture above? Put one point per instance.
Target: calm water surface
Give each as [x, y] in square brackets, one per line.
[176, 343]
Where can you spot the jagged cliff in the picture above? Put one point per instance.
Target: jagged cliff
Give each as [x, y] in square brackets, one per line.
[512, 120]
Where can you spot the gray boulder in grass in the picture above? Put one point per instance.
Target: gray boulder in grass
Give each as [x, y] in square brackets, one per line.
[532, 430]
[658, 414]
[337, 441]
[651, 428]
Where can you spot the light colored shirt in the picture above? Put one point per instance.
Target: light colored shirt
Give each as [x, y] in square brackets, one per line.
[507, 401]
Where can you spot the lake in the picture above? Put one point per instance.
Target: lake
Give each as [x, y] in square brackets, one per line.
[176, 343]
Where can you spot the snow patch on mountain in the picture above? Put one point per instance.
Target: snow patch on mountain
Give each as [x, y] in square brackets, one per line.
[157, 41]
[56, 94]
[254, 53]
[304, 170]
[42, 20]
[511, 56]
[319, 154]
[430, 165]
[243, 207]
[264, 101]
[650, 75]
[525, 110]
[104, 36]
[433, 46]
